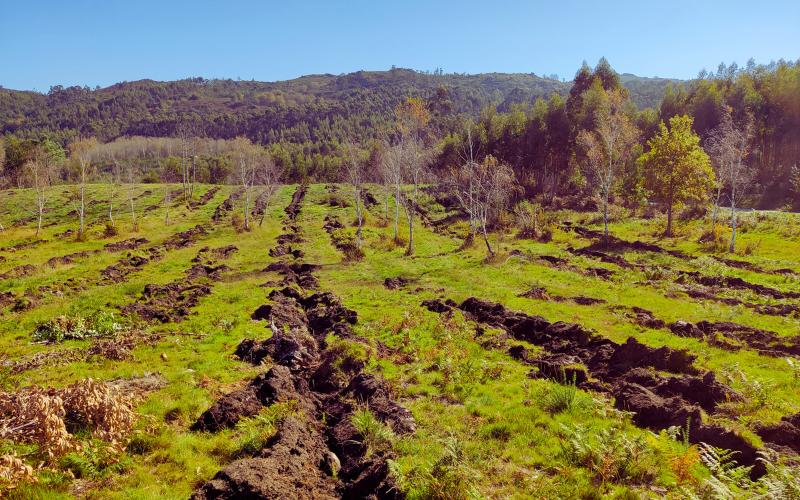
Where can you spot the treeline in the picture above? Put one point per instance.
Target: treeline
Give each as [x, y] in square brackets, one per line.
[531, 124]
[303, 121]
[540, 141]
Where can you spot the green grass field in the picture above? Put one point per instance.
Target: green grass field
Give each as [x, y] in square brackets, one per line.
[484, 427]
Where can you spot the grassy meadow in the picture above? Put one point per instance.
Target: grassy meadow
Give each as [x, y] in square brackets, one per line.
[485, 429]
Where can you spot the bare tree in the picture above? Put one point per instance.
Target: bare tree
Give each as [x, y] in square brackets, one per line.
[728, 146]
[608, 147]
[40, 178]
[81, 153]
[483, 190]
[392, 171]
[355, 177]
[463, 185]
[113, 186]
[268, 175]
[412, 120]
[246, 156]
[186, 138]
[131, 189]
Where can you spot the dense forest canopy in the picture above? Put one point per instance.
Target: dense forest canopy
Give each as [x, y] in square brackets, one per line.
[529, 122]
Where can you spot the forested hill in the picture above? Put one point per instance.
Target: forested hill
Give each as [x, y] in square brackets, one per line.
[312, 109]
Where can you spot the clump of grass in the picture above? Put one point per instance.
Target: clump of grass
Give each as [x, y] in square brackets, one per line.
[449, 478]
[561, 398]
[533, 222]
[336, 200]
[376, 435]
[256, 431]
[237, 222]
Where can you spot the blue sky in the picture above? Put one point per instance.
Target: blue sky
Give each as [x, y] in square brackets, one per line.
[79, 42]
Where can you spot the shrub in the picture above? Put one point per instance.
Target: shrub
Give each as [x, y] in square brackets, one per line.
[658, 273]
[611, 456]
[533, 222]
[336, 200]
[13, 471]
[237, 221]
[564, 398]
[97, 407]
[94, 461]
[110, 230]
[58, 329]
[749, 247]
[693, 212]
[714, 240]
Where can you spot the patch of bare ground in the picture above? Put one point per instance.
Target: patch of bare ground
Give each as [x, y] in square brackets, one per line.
[118, 348]
[24, 246]
[735, 283]
[18, 272]
[224, 208]
[540, 293]
[131, 263]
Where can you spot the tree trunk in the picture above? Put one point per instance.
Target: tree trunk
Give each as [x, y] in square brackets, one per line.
[194, 177]
[410, 249]
[388, 194]
[246, 208]
[41, 212]
[397, 214]
[111, 209]
[358, 216]
[82, 208]
[166, 204]
[668, 232]
[486, 239]
[133, 212]
[733, 219]
[605, 217]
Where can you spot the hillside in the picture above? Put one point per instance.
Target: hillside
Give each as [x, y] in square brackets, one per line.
[314, 108]
[188, 358]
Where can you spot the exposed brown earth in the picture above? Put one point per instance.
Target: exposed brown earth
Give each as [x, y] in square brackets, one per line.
[18, 272]
[318, 453]
[174, 301]
[207, 196]
[129, 244]
[70, 258]
[226, 206]
[733, 336]
[735, 283]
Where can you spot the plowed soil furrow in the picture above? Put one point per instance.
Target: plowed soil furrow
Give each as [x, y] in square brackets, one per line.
[736, 283]
[224, 208]
[318, 453]
[660, 386]
[174, 301]
[207, 196]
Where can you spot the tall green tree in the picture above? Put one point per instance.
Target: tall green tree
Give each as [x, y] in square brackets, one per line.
[676, 168]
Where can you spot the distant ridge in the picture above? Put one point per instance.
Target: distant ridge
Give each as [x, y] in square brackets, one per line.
[315, 108]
